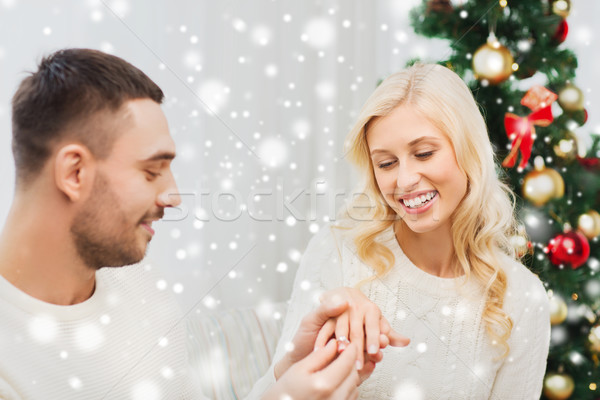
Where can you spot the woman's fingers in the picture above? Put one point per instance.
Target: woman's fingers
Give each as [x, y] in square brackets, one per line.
[384, 341]
[396, 339]
[375, 357]
[372, 330]
[367, 370]
[342, 331]
[357, 335]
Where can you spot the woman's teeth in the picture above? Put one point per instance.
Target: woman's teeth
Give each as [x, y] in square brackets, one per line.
[420, 201]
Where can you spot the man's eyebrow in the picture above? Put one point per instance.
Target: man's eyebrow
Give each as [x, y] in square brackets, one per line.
[163, 155]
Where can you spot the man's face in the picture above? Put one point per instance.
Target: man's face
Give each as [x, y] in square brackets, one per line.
[131, 189]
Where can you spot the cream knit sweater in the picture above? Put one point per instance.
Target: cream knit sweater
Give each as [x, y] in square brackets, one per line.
[450, 355]
[125, 342]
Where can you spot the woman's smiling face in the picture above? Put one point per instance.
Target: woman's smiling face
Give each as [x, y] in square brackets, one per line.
[415, 168]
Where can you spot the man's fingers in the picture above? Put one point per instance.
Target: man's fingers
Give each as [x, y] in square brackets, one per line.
[320, 358]
[337, 371]
[372, 331]
[325, 333]
[349, 387]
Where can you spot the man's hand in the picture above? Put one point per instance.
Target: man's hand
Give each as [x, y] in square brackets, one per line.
[304, 341]
[320, 375]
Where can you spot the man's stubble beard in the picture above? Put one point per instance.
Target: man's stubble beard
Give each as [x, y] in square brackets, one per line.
[98, 244]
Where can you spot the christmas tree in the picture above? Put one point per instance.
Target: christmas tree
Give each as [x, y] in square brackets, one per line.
[510, 55]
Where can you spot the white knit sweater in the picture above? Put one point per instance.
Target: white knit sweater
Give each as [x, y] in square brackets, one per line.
[450, 355]
[124, 342]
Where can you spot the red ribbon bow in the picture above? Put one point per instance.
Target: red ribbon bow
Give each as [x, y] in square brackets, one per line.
[521, 130]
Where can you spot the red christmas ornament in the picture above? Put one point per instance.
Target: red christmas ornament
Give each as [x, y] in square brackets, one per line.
[591, 163]
[561, 32]
[570, 248]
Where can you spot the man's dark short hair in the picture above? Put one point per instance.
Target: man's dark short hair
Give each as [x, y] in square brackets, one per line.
[59, 100]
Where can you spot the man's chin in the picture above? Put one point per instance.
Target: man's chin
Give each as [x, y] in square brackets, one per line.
[125, 260]
[122, 264]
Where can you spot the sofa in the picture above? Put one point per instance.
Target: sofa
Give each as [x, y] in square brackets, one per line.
[230, 350]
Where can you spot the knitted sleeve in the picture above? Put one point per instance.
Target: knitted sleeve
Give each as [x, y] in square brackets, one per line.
[319, 271]
[522, 372]
[7, 392]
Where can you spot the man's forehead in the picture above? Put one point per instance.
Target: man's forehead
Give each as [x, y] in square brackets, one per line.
[145, 132]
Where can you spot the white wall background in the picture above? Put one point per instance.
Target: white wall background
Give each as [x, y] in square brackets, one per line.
[259, 95]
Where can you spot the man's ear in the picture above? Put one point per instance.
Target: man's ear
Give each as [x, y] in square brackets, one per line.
[74, 170]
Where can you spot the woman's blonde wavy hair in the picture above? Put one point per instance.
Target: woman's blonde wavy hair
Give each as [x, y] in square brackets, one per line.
[483, 222]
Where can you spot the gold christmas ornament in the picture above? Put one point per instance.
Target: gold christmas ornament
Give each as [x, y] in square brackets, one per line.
[542, 184]
[492, 61]
[558, 386]
[521, 245]
[558, 310]
[594, 339]
[561, 7]
[570, 98]
[566, 147]
[589, 224]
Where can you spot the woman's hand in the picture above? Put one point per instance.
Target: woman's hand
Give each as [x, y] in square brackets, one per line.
[361, 324]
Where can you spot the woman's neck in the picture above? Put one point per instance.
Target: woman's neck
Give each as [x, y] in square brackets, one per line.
[433, 252]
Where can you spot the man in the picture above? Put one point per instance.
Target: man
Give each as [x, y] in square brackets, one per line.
[92, 154]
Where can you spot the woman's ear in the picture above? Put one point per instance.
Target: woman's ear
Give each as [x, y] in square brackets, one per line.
[74, 169]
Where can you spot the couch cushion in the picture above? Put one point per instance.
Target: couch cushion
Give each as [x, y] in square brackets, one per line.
[230, 350]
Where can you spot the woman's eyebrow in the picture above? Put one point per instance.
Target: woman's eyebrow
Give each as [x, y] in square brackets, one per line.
[377, 151]
[412, 143]
[423, 139]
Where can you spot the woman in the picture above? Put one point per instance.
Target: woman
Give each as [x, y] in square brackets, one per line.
[427, 240]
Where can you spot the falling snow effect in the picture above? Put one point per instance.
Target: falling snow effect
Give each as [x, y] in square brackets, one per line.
[409, 390]
[214, 94]
[43, 329]
[253, 102]
[273, 152]
[146, 390]
[319, 33]
[261, 35]
[89, 337]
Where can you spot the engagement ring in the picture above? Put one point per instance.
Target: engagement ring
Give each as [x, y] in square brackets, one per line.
[342, 339]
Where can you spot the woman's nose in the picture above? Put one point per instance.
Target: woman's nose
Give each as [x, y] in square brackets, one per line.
[408, 179]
